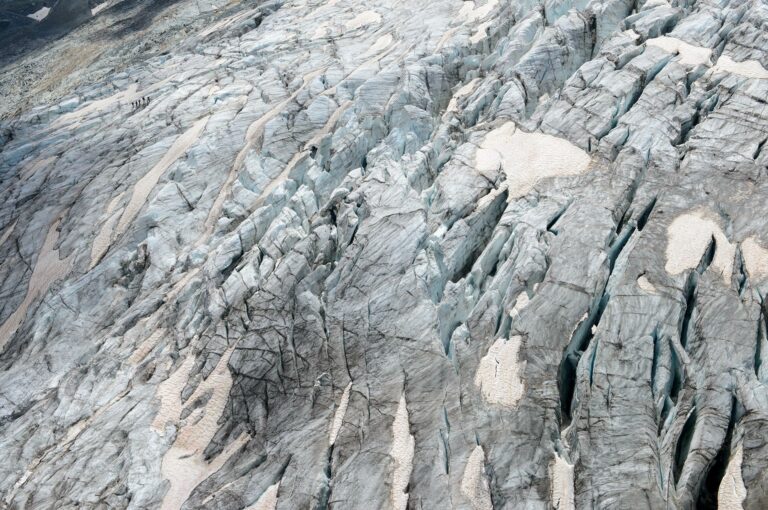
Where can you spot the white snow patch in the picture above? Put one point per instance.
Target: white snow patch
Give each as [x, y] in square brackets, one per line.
[755, 257]
[146, 184]
[330, 124]
[338, 417]
[214, 89]
[650, 4]
[268, 500]
[485, 10]
[100, 104]
[99, 8]
[461, 94]
[40, 14]
[498, 375]
[466, 11]
[48, 269]
[363, 19]
[688, 237]
[113, 203]
[469, 12]
[226, 22]
[7, 233]
[644, 283]
[689, 54]
[183, 464]
[22, 480]
[747, 69]
[252, 135]
[561, 479]
[732, 492]
[146, 346]
[474, 484]
[169, 394]
[103, 239]
[381, 44]
[576, 326]
[75, 430]
[322, 30]
[527, 158]
[403, 445]
[447, 35]
[520, 303]
[480, 32]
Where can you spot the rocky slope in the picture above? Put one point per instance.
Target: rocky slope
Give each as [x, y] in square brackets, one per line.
[386, 254]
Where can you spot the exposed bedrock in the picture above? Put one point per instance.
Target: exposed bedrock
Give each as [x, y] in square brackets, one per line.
[346, 254]
[67, 13]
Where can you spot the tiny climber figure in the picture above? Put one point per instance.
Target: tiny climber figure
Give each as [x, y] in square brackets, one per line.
[141, 102]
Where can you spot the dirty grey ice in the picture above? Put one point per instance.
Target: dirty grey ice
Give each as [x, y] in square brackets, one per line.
[356, 254]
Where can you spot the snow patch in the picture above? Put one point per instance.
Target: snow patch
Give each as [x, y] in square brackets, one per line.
[561, 479]
[338, 417]
[747, 68]
[527, 158]
[469, 12]
[7, 233]
[184, 465]
[169, 394]
[651, 4]
[480, 32]
[520, 303]
[330, 124]
[268, 500]
[127, 95]
[689, 55]
[474, 484]
[732, 492]
[252, 135]
[363, 19]
[227, 22]
[644, 283]
[498, 375]
[40, 14]
[48, 269]
[146, 347]
[381, 44]
[403, 445]
[103, 239]
[322, 30]
[461, 94]
[755, 257]
[687, 239]
[146, 184]
[99, 8]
